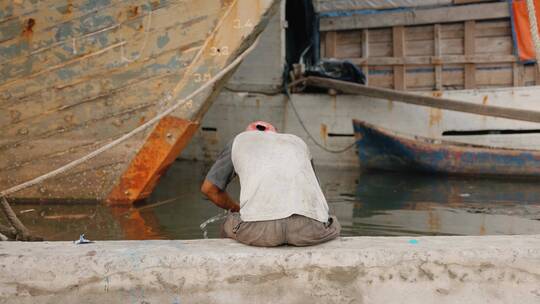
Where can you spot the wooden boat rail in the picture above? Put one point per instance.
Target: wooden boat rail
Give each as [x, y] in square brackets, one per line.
[462, 45]
[420, 100]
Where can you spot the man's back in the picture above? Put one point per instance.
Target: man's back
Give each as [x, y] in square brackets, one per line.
[281, 201]
[276, 177]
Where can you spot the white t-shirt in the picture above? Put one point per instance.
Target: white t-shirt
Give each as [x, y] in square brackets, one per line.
[276, 177]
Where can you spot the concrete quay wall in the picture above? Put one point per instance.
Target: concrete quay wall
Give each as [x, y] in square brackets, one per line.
[491, 269]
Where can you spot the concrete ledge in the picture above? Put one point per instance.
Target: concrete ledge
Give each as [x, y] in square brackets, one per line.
[493, 269]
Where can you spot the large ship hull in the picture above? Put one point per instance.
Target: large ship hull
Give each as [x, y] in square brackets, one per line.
[75, 75]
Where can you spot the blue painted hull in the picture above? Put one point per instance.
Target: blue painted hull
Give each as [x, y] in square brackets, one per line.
[382, 149]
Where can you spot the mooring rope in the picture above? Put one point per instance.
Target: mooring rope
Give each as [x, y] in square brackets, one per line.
[303, 125]
[135, 131]
[533, 26]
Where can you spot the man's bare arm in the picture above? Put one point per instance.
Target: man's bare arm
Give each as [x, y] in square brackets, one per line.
[219, 197]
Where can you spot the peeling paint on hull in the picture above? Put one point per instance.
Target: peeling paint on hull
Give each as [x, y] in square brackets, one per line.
[74, 77]
[388, 150]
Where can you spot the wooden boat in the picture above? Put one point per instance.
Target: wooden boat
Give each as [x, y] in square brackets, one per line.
[74, 75]
[468, 51]
[384, 149]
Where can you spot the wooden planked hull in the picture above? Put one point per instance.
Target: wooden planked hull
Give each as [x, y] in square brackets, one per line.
[75, 75]
[388, 150]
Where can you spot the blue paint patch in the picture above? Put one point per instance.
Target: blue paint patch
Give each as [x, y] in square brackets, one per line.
[95, 22]
[91, 5]
[13, 50]
[349, 13]
[413, 242]
[10, 29]
[163, 40]
[64, 31]
[103, 40]
[7, 12]
[66, 74]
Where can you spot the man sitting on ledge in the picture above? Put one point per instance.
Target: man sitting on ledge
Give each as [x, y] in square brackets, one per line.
[281, 201]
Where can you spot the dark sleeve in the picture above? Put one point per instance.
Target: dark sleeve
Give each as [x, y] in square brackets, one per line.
[222, 171]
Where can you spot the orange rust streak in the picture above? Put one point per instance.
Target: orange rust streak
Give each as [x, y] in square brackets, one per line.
[163, 145]
[28, 28]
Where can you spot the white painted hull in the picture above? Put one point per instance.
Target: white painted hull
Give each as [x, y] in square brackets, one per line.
[428, 122]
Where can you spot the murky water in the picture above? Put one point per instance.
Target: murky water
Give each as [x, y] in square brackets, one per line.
[370, 203]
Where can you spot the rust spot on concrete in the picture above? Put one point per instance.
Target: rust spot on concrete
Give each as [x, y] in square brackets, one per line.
[163, 145]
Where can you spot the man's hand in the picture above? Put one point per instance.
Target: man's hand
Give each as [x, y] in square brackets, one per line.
[219, 197]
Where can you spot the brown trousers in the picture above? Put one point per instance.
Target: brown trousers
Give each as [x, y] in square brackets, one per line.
[296, 230]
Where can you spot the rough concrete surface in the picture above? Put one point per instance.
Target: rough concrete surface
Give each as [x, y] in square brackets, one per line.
[492, 269]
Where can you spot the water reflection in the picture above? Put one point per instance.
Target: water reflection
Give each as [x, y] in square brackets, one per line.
[403, 204]
[370, 203]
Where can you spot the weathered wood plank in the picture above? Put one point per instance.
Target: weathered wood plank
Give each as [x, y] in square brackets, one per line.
[494, 75]
[45, 35]
[347, 5]
[418, 16]
[36, 31]
[365, 53]
[437, 53]
[429, 60]
[145, 42]
[470, 1]
[469, 42]
[399, 52]
[331, 44]
[348, 44]
[516, 75]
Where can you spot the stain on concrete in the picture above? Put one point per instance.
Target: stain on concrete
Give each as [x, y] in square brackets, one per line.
[343, 275]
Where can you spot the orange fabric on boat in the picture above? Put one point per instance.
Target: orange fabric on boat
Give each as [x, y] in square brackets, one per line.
[522, 32]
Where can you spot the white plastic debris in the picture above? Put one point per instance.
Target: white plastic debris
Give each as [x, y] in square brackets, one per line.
[82, 240]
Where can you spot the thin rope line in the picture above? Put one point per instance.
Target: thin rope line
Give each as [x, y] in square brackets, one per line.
[309, 134]
[145, 40]
[186, 101]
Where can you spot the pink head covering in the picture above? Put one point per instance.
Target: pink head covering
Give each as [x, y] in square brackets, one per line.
[261, 126]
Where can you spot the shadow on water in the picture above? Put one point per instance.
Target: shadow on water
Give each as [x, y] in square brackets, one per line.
[367, 203]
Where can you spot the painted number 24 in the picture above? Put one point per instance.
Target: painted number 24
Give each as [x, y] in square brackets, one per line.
[238, 24]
